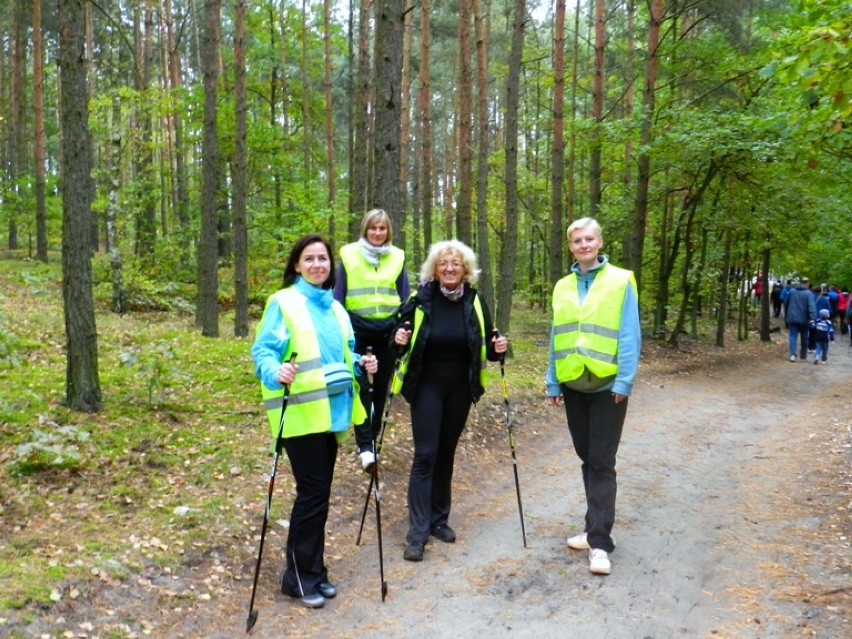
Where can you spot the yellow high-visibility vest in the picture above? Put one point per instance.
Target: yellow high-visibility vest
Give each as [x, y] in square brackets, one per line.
[586, 336]
[308, 409]
[371, 292]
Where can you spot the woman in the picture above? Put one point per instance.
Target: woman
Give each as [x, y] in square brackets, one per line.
[449, 339]
[371, 284]
[304, 319]
[594, 354]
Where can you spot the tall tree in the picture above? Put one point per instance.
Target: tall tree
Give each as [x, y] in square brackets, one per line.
[16, 154]
[486, 284]
[207, 308]
[239, 175]
[38, 122]
[82, 384]
[388, 79]
[464, 97]
[557, 209]
[424, 109]
[597, 109]
[643, 180]
[361, 154]
[509, 254]
[329, 113]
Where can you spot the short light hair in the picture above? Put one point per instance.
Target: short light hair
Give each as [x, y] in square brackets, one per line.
[439, 249]
[372, 218]
[585, 223]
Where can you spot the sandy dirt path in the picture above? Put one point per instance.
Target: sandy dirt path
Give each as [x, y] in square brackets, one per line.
[733, 521]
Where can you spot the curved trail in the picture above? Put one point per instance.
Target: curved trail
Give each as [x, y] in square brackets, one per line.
[716, 531]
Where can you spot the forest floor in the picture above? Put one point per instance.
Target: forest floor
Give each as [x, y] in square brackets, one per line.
[734, 520]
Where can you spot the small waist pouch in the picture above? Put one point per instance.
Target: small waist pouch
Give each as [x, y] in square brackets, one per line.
[338, 378]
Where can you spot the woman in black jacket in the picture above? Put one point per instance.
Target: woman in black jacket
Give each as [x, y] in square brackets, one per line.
[447, 329]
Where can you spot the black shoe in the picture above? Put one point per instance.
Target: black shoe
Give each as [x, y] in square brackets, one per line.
[444, 533]
[314, 600]
[413, 552]
[327, 589]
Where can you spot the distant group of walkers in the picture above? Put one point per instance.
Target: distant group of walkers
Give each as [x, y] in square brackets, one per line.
[331, 341]
[810, 315]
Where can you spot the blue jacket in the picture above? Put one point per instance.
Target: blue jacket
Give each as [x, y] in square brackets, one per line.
[800, 307]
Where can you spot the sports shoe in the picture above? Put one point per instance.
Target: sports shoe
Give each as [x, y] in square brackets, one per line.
[367, 459]
[599, 561]
[444, 533]
[792, 358]
[579, 542]
[413, 552]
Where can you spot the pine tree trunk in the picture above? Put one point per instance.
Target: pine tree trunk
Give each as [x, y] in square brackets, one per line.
[424, 108]
[38, 125]
[464, 94]
[508, 256]
[82, 385]
[485, 285]
[597, 110]
[386, 193]
[207, 311]
[640, 217]
[329, 137]
[361, 155]
[239, 175]
[557, 210]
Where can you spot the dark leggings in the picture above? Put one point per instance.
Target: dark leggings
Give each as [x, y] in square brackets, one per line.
[596, 422]
[438, 415]
[312, 459]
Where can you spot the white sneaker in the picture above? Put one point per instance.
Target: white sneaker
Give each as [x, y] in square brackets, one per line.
[581, 541]
[792, 358]
[578, 542]
[367, 459]
[599, 562]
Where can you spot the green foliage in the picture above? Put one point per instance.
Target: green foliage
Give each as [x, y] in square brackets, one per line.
[53, 449]
[155, 364]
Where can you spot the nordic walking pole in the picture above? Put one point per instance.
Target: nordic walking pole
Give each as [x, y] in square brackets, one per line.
[374, 481]
[377, 446]
[511, 431]
[279, 444]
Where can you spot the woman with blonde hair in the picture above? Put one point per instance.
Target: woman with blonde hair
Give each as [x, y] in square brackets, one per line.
[446, 328]
[371, 284]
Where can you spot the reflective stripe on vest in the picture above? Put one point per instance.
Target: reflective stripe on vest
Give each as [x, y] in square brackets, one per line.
[308, 408]
[586, 336]
[371, 292]
[399, 374]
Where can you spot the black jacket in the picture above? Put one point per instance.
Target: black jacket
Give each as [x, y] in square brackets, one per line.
[422, 298]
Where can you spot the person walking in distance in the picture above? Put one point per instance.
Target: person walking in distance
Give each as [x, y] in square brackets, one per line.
[594, 354]
[304, 319]
[799, 312]
[446, 328]
[823, 329]
[372, 283]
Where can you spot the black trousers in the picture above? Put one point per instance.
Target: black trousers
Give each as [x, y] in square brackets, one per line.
[312, 459]
[366, 433]
[596, 422]
[438, 416]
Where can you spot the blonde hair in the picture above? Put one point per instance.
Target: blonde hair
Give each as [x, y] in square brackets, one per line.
[439, 249]
[373, 217]
[584, 223]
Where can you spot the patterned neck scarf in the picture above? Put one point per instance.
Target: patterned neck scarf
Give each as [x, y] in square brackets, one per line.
[373, 253]
[453, 295]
